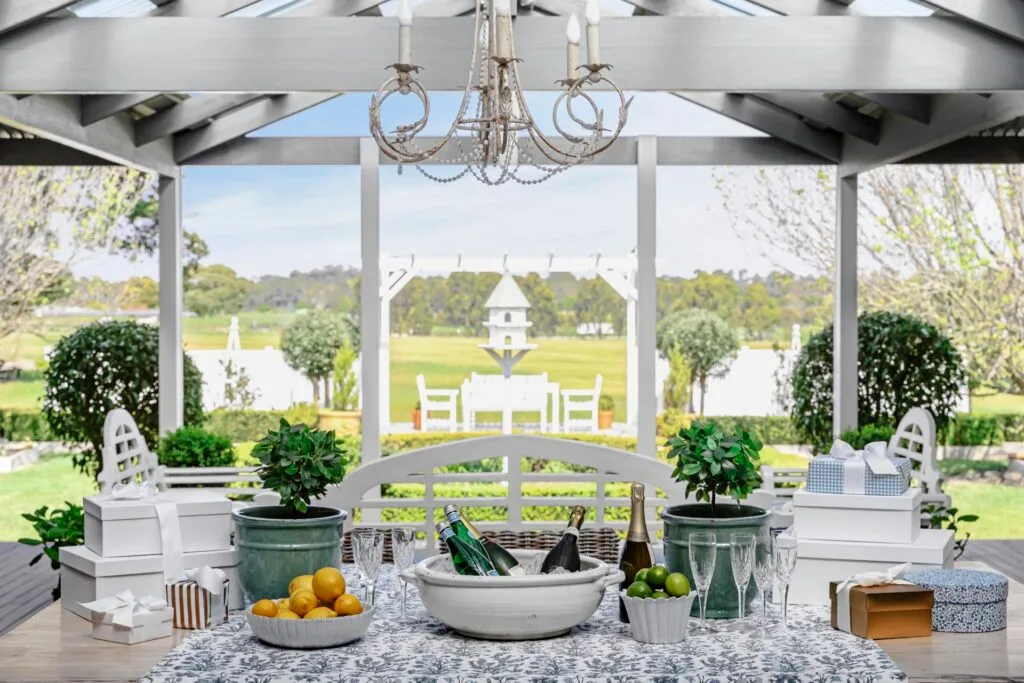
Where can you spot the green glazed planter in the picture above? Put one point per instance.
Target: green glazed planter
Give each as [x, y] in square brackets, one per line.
[274, 548]
[682, 520]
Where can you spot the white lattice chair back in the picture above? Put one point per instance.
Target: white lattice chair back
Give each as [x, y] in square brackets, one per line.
[915, 439]
[126, 457]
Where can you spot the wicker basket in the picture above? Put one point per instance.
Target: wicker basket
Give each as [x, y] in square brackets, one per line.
[601, 543]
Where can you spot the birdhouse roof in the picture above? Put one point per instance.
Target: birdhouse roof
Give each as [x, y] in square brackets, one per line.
[507, 295]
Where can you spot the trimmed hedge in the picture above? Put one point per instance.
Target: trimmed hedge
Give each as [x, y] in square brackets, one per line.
[19, 425]
[769, 429]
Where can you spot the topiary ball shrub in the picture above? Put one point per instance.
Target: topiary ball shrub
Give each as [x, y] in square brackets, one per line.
[109, 365]
[902, 363]
[193, 446]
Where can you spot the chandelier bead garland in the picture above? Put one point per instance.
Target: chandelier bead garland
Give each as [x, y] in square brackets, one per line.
[494, 136]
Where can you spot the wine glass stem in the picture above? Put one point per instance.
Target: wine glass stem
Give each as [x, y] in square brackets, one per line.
[404, 587]
[741, 592]
[785, 606]
[703, 597]
[764, 611]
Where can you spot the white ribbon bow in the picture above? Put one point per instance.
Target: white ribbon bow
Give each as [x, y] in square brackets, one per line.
[889, 576]
[124, 607]
[208, 578]
[133, 491]
[856, 463]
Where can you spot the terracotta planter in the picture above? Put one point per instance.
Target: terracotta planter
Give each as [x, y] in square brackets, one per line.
[340, 421]
[604, 419]
[416, 424]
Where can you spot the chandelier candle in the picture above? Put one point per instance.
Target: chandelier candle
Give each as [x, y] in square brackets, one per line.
[503, 28]
[404, 32]
[593, 12]
[572, 32]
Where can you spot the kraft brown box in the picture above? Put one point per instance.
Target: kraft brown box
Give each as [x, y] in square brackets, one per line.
[890, 611]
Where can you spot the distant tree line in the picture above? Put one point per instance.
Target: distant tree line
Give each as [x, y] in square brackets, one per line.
[758, 306]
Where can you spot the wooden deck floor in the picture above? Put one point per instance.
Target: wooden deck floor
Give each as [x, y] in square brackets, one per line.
[24, 590]
[1003, 556]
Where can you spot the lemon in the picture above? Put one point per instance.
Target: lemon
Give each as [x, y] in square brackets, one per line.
[302, 601]
[347, 605]
[287, 614]
[284, 604]
[304, 582]
[265, 608]
[328, 584]
[320, 613]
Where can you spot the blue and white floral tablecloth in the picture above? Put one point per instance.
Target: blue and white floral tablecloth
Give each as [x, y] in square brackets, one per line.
[598, 650]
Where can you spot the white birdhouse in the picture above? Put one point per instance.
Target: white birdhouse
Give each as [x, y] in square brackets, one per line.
[506, 321]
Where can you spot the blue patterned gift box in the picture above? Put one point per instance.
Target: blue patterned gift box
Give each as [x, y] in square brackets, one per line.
[828, 474]
[966, 600]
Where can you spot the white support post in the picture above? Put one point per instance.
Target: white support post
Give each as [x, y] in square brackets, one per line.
[844, 340]
[369, 303]
[632, 389]
[385, 345]
[647, 297]
[171, 370]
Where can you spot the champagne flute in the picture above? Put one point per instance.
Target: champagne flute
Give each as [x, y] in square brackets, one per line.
[402, 547]
[741, 556]
[703, 546]
[784, 547]
[764, 572]
[368, 549]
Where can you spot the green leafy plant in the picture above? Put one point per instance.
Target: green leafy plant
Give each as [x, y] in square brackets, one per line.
[605, 402]
[239, 394]
[299, 463]
[346, 384]
[862, 436]
[310, 343]
[56, 528]
[678, 386]
[941, 517]
[195, 447]
[107, 365]
[714, 463]
[707, 344]
[902, 363]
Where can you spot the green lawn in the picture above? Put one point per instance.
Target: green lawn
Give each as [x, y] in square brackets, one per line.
[51, 482]
[990, 404]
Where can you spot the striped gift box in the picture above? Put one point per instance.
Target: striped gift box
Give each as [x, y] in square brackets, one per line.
[195, 607]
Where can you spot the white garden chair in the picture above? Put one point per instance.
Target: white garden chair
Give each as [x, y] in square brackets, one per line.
[581, 401]
[915, 439]
[126, 457]
[437, 401]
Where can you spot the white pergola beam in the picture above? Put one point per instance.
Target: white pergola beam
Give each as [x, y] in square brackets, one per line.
[17, 13]
[914, 107]
[647, 295]
[201, 8]
[1005, 17]
[244, 121]
[804, 8]
[672, 151]
[370, 301]
[953, 117]
[736, 54]
[42, 152]
[684, 8]
[518, 265]
[826, 112]
[57, 119]
[188, 114]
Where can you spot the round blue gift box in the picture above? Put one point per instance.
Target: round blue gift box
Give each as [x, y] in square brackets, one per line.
[966, 600]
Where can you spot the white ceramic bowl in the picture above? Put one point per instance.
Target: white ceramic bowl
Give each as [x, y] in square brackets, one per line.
[512, 607]
[659, 620]
[310, 633]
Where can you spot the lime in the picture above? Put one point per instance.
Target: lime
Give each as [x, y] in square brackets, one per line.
[656, 576]
[677, 585]
[638, 589]
[641, 575]
[659, 594]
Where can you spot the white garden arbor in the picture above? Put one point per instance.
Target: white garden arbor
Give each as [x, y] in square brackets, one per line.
[618, 271]
[166, 84]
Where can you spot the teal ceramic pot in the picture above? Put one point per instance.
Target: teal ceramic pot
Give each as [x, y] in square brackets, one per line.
[682, 520]
[274, 548]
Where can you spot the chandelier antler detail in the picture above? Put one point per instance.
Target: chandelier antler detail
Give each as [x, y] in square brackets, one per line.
[494, 135]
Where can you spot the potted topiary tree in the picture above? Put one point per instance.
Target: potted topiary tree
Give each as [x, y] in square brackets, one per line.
[605, 411]
[713, 464]
[279, 542]
[416, 418]
[344, 417]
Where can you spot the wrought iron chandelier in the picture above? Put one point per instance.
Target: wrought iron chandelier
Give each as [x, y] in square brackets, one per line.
[494, 135]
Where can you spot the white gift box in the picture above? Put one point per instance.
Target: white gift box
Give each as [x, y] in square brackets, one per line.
[150, 626]
[85, 576]
[127, 528]
[819, 562]
[858, 519]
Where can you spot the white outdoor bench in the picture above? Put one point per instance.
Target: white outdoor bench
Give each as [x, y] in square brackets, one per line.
[521, 394]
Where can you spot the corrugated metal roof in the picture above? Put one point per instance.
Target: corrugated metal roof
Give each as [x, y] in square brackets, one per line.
[113, 8]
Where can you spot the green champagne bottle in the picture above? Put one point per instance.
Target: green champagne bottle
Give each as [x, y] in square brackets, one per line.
[636, 551]
[459, 527]
[466, 559]
[503, 561]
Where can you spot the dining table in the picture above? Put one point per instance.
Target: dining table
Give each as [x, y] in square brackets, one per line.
[56, 645]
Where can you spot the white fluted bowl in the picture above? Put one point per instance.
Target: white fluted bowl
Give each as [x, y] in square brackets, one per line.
[512, 607]
[310, 633]
[659, 620]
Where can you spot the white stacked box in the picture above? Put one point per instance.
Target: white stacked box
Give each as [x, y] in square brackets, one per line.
[86, 576]
[150, 626]
[819, 562]
[858, 518]
[128, 528]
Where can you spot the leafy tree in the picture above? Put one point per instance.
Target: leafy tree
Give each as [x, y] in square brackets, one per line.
[346, 384]
[679, 383]
[760, 312]
[239, 394]
[139, 234]
[704, 340]
[596, 303]
[543, 307]
[216, 289]
[141, 292]
[310, 344]
[107, 365]
[902, 363]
